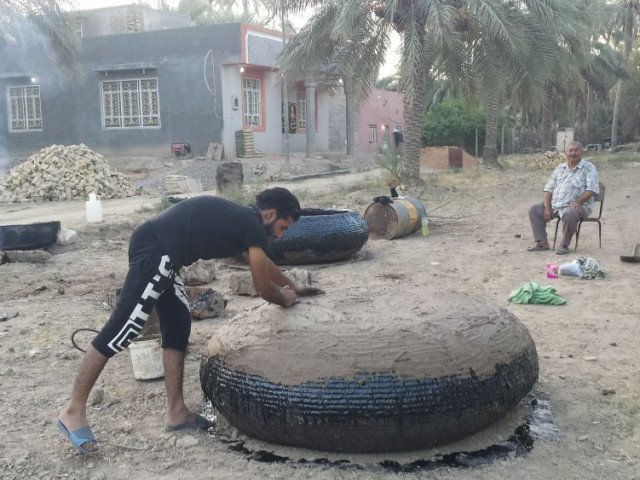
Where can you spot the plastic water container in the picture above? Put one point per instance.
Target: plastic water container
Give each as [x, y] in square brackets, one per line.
[146, 359]
[94, 208]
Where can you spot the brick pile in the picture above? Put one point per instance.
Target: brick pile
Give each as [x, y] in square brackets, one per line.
[63, 172]
[549, 159]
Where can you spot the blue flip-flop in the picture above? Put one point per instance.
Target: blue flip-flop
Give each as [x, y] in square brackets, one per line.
[78, 437]
[198, 423]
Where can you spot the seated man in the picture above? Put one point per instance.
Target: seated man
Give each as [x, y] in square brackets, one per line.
[568, 195]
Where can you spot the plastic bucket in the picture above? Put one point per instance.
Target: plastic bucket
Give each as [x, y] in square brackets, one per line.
[397, 219]
[146, 359]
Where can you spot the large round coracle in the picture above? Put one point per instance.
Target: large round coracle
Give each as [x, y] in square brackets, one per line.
[320, 236]
[310, 376]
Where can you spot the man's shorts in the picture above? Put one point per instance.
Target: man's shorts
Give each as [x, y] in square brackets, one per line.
[151, 282]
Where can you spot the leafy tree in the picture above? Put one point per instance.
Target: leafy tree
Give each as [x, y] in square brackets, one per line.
[204, 12]
[453, 122]
[250, 9]
[389, 82]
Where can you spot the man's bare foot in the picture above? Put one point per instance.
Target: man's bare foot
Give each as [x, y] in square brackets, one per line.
[195, 421]
[72, 422]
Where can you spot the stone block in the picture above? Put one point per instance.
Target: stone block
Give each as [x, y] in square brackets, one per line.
[205, 303]
[27, 256]
[66, 236]
[242, 283]
[229, 175]
[299, 276]
[199, 273]
[215, 151]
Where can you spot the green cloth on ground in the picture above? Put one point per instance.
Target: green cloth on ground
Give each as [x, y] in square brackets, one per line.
[531, 292]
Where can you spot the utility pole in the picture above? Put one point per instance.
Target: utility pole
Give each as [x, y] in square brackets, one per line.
[476, 150]
[285, 94]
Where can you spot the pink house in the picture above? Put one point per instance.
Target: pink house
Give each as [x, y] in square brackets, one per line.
[379, 115]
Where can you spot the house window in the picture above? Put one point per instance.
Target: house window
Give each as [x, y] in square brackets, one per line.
[130, 104]
[252, 108]
[25, 108]
[373, 134]
[302, 109]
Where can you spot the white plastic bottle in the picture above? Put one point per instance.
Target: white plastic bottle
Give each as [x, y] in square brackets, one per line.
[94, 209]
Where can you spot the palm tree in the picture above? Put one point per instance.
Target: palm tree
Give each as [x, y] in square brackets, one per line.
[45, 17]
[430, 31]
[577, 63]
[581, 64]
[629, 10]
[321, 47]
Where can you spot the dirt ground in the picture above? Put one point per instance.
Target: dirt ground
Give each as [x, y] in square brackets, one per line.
[588, 349]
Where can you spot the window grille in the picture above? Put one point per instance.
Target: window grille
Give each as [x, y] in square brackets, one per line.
[25, 108]
[130, 104]
[373, 134]
[252, 102]
[302, 109]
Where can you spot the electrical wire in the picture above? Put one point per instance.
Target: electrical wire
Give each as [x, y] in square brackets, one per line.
[73, 337]
[212, 91]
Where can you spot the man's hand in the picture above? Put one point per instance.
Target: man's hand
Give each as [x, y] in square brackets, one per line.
[548, 214]
[304, 291]
[289, 297]
[575, 205]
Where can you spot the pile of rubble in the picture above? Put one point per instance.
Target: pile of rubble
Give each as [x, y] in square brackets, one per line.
[549, 159]
[63, 172]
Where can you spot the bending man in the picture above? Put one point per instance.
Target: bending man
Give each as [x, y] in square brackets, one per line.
[202, 227]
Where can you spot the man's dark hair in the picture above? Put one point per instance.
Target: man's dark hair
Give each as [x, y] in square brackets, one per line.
[284, 202]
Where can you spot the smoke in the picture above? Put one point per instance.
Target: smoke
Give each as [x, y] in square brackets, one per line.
[4, 159]
[29, 56]
[28, 48]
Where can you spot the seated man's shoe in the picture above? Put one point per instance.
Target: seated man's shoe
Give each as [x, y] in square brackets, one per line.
[537, 248]
[562, 250]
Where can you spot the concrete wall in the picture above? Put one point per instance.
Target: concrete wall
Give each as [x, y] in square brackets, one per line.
[338, 124]
[232, 118]
[126, 18]
[262, 48]
[271, 140]
[189, 112]
[72, 108]
[563, 139]
[382, 108]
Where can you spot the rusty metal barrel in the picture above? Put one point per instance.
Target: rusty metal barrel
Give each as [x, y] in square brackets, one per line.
[396, 218]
